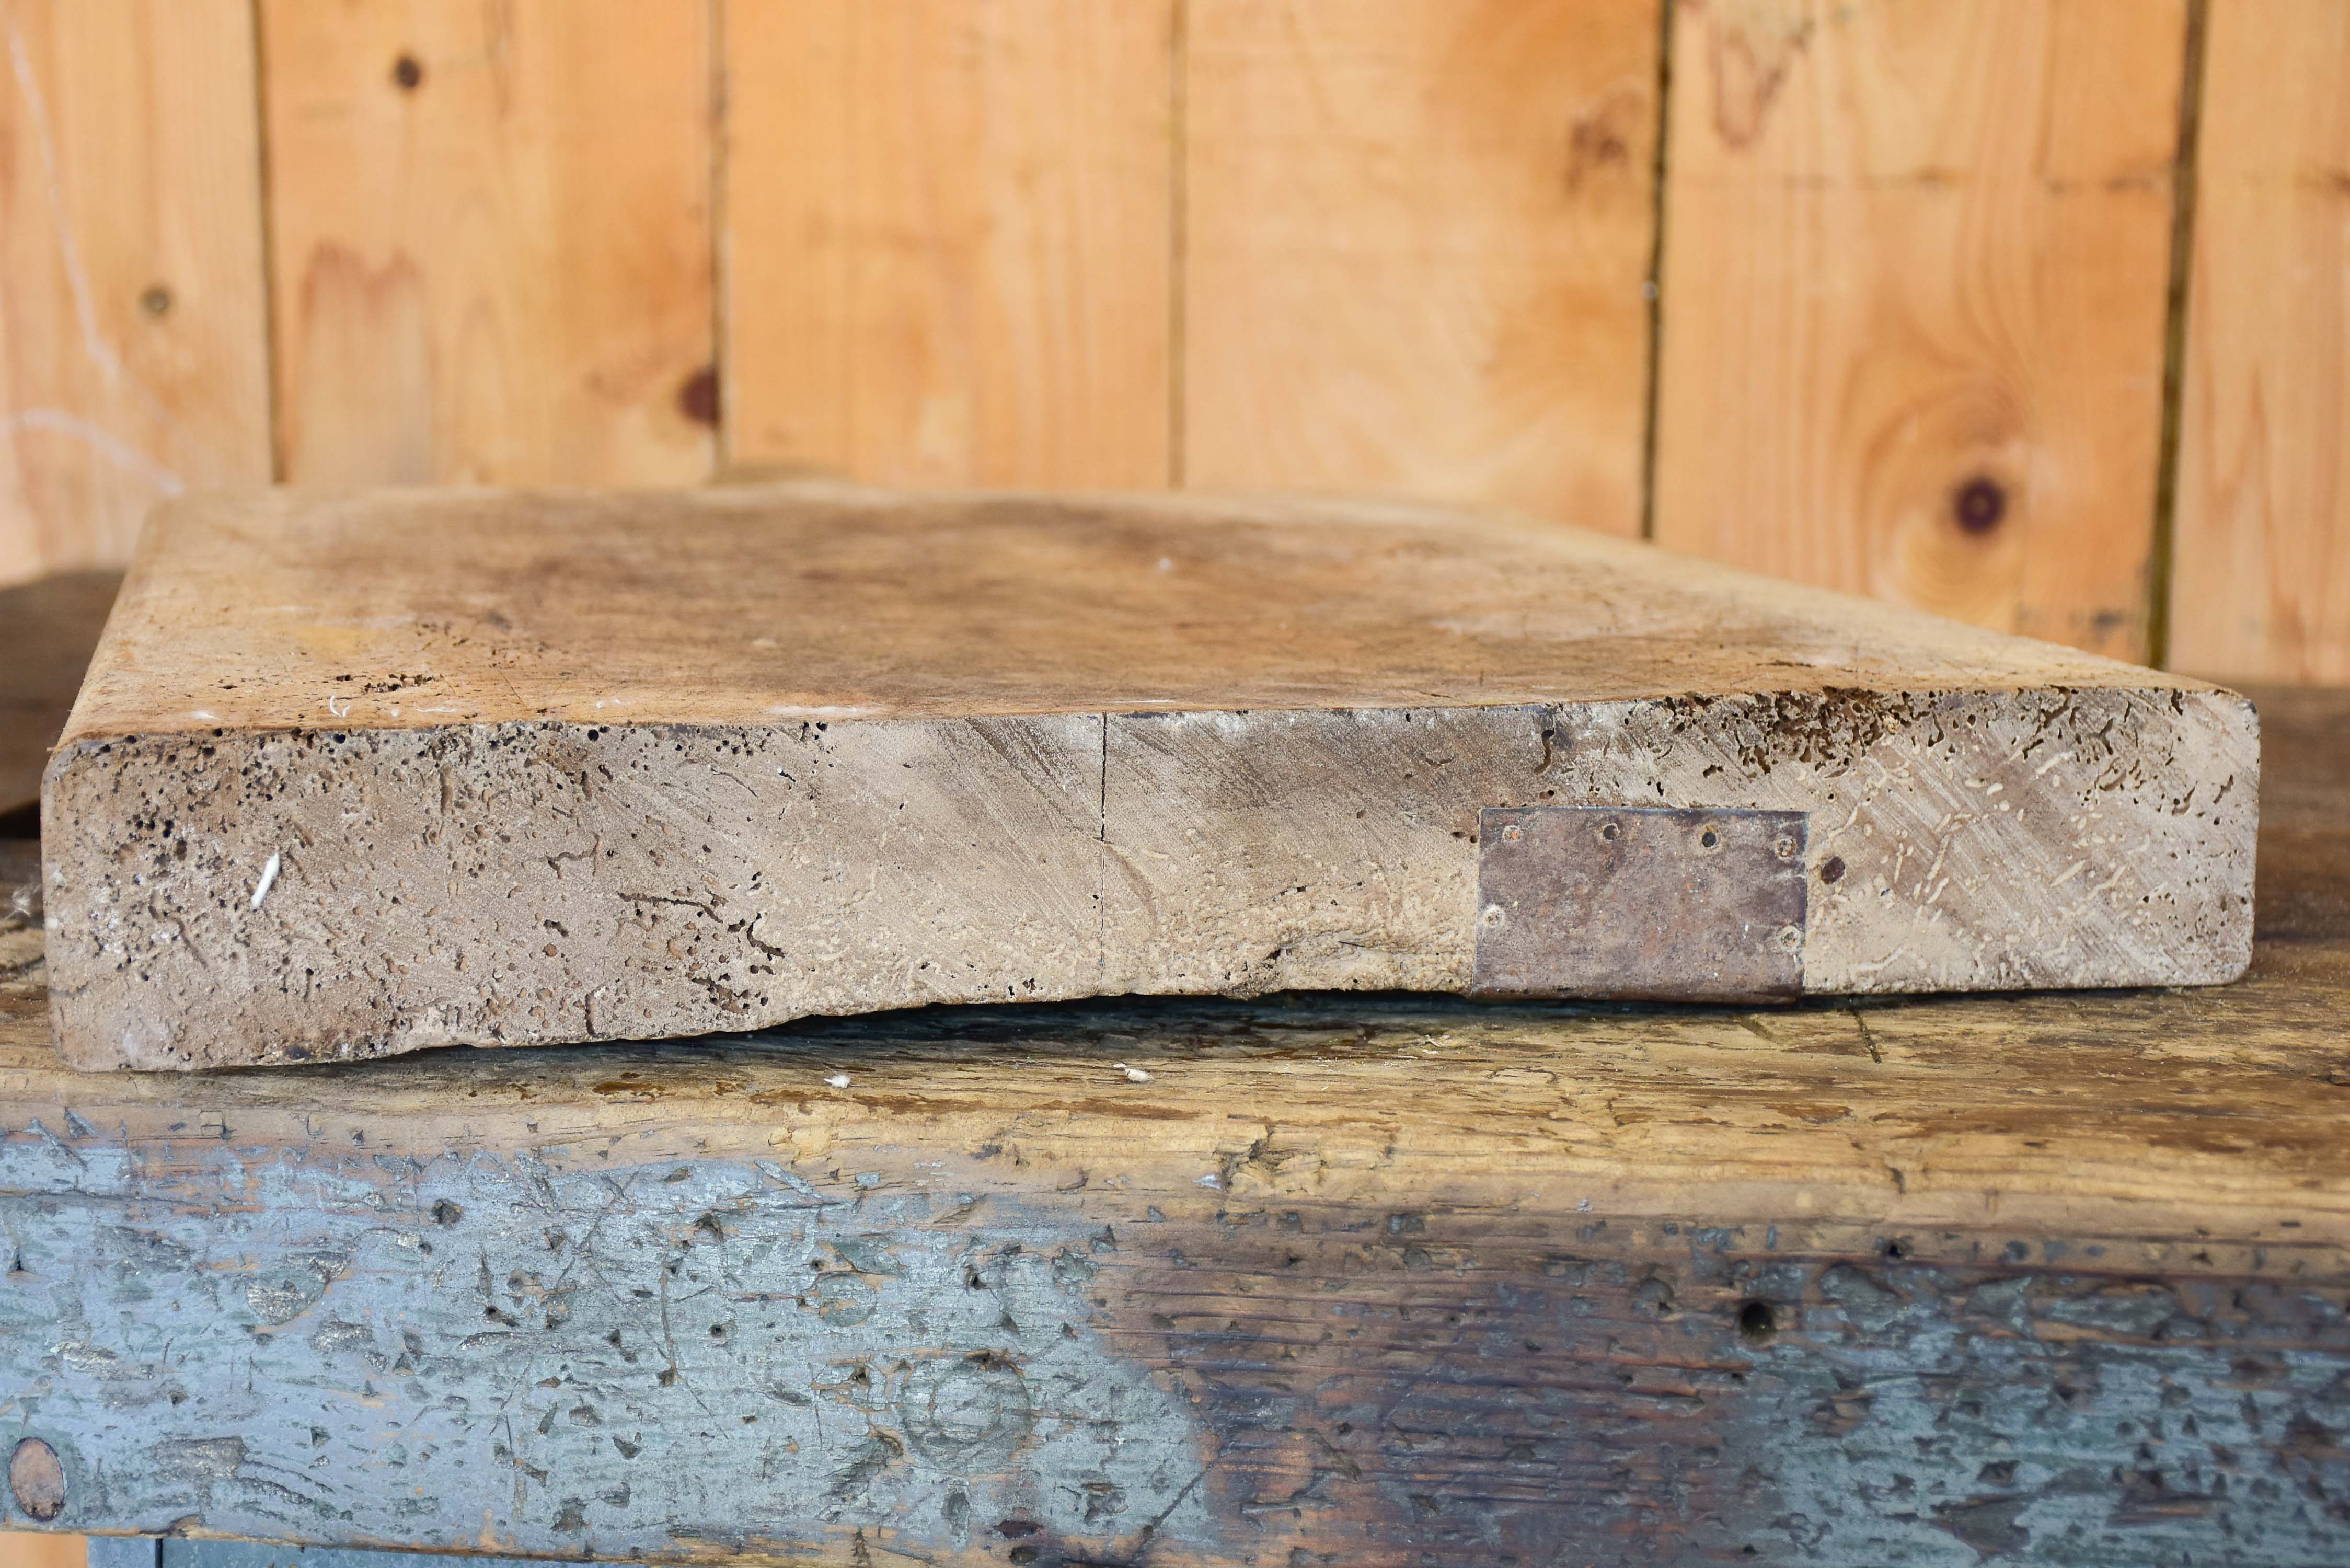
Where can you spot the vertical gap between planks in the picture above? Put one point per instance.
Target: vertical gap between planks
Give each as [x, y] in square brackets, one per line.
[267, 203]
[721, 455]
[1655, 284]
[2162, 559]
[1178, 183]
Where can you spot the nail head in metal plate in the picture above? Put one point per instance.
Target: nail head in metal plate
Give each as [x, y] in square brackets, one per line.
[1642, 903]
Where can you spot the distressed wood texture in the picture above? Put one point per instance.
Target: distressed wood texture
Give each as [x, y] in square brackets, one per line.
[2262, 586]
[490, 234]
[133, 325]
[1415, 241]
[948, 240]
[2057, 1279]
[1915, 264]
[356, 774]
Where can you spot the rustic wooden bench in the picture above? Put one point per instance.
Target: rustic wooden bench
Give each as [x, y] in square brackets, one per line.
[2049, 1277]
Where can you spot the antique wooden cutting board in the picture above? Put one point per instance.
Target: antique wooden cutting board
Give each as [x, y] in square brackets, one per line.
[356, 774]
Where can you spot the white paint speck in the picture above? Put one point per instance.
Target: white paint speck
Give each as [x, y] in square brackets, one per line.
[821, 710]
[268, 880]
[1133, 1075]
[1209, 1180]
[838, 1080]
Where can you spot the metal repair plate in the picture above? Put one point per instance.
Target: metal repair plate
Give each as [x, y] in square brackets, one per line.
[1641, 902]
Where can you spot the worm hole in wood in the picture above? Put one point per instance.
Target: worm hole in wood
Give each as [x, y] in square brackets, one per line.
[407, 73]
[1757, 1321]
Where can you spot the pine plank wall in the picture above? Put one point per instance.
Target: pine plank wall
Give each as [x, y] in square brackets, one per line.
[2031, 312]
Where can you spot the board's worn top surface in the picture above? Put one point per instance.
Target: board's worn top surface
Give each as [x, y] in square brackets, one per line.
[355, 774]
[743, 607]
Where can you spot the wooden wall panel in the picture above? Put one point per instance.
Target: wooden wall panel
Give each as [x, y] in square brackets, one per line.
[1916, 271]
[1416, 238]
[1915, 258]
[2261, 585]
[30, 1549]
[132, 334]
[491, 232]
[948, 244]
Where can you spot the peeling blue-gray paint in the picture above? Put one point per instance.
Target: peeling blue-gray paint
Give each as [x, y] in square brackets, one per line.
[531, 1353]
[1942, 1438]
[616, 1362]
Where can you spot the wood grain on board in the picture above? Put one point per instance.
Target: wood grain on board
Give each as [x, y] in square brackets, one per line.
[948, 240]
[359, 774]
[2051, 1278]
[1415, 241]
[1916, 264]
[2261, 585]
[133, 325]
[491, 238]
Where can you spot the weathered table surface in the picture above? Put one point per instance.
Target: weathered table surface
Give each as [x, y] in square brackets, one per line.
[2054, 1278]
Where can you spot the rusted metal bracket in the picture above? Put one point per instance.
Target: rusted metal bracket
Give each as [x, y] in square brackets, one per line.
[1660, 904]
